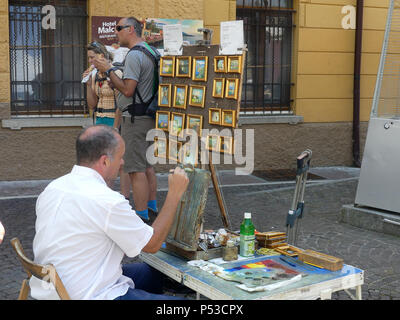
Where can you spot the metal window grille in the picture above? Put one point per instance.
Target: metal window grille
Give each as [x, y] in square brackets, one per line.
[268, 26]
[47, 64]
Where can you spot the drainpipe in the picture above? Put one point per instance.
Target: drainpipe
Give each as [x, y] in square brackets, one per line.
[356, 86]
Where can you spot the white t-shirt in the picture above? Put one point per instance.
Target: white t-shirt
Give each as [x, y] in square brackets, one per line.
[84, 228]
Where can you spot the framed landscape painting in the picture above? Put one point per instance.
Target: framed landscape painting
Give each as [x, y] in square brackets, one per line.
[180, 93]
[197, 96]
[226, 145]
[183, 66]
[200, 68]
[164, 95]
[190, 154]
[174, 150]
[162, 120]
[167, 66]
[194, 122]
[232, 88]
[234, 64]
[218, 88]
[177, 123]
[220, 64]
[214, 116]
[212, 143]
[229, 118]
[161, 148]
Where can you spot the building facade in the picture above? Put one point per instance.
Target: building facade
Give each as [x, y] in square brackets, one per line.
[297, 89]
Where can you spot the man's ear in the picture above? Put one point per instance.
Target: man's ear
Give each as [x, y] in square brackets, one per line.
[105, 160]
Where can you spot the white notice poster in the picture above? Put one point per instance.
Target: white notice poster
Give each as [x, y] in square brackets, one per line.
[231, 37]
[173, 39]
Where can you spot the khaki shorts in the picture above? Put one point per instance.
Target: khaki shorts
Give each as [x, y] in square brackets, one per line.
[134, 135]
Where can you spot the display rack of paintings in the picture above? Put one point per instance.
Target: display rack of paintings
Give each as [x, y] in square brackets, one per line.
[201, 90]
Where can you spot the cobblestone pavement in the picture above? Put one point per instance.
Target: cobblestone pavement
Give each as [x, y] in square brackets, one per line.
[376, 253]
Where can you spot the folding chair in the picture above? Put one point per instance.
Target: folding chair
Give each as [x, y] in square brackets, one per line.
[44, 272]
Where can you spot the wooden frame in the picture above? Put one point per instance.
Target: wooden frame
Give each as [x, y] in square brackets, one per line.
[175, 152]
[182, 96]
[226, 145]
[218, 87]
[288, 250]
[167, 66]
[228, 118]
[215, 144]
[189, 157]
[200, 68]
[192, 124]
[194, 93]
[177, 124]
[232, 88]
[183, 66]
[164, 95]
[158, 142]
[212, 116]
[235, 64]
[160, 120]
[220, 64]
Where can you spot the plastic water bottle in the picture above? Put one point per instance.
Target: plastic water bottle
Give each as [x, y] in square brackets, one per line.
[247, 237]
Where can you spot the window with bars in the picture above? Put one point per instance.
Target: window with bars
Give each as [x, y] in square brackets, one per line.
[47, 64]
[267, 73]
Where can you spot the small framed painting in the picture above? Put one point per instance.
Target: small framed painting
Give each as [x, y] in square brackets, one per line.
[229, 118]
[180, 93]
[167, 66]
[214, 116]
[164, 95]
[161, 147]
[226, 145]
[218, 88]
[162, 120]
[190, 154]
[174, 150]
[197, 96]
[177, 123]
[220, 64]
[183, 66]
[212, 142]
[194, 122]
[232, 88]
[200, 68]
[235, 64]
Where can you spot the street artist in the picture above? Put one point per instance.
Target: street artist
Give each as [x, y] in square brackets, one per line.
[84, 228]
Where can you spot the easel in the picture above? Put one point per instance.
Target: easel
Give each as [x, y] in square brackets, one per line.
[218, 193]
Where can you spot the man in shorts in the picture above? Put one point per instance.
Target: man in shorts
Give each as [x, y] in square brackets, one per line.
[138, 76]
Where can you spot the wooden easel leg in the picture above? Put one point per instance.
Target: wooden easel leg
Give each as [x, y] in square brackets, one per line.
[214, 179]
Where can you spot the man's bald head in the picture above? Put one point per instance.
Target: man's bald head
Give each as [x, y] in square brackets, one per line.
[95, 141]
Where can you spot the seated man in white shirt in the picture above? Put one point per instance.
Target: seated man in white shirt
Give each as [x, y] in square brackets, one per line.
[84, 228]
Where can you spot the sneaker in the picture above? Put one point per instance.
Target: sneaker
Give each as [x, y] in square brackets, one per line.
[152, 215]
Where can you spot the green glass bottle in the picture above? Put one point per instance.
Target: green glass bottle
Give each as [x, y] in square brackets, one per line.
[247, 237]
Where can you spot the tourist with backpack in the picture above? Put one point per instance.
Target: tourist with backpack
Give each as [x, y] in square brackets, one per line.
[101, 98]
[137, 101]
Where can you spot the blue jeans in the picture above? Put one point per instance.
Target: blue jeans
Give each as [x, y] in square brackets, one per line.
[148, 283]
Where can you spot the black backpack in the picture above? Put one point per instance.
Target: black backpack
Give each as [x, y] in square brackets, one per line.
[150, 107]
